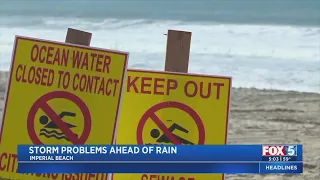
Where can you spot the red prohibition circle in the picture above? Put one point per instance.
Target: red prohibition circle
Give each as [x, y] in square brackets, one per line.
[41, 103]
[150, 113]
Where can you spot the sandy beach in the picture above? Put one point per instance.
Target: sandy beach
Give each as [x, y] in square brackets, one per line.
[268, 116]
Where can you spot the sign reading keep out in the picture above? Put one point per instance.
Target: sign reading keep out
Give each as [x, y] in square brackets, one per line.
[173, 108]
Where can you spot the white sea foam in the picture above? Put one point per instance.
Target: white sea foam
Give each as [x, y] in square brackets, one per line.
[277, 57]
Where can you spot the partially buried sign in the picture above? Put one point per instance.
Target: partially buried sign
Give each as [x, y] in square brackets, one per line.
[60, 94]
[173, 108]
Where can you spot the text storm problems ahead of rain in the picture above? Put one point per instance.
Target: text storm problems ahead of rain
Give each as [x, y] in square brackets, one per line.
[89, 65]
[65, 153]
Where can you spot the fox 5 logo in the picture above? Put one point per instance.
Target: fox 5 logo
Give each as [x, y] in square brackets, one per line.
[279, 150]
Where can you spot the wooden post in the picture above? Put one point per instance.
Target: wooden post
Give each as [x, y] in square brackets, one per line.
[178, 51]
[75, 36]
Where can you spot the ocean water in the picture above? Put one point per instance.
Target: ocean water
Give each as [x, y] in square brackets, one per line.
[272, 44]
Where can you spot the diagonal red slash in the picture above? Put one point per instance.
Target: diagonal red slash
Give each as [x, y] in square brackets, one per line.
[164, 129]
[61, 124]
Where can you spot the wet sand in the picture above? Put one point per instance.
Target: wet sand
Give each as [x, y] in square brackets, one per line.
[268, 116]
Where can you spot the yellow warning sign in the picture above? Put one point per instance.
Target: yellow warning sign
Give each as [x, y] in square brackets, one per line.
[59, 93]
[173, 108]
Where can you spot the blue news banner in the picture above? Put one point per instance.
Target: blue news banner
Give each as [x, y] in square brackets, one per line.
[228, 159]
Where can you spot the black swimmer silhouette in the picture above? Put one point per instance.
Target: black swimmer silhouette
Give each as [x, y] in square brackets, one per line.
[155, 133]
[52, 125]
[45, 119]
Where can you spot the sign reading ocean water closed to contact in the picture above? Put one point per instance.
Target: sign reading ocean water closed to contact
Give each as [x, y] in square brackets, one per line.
[60, 94]
[173, 108]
